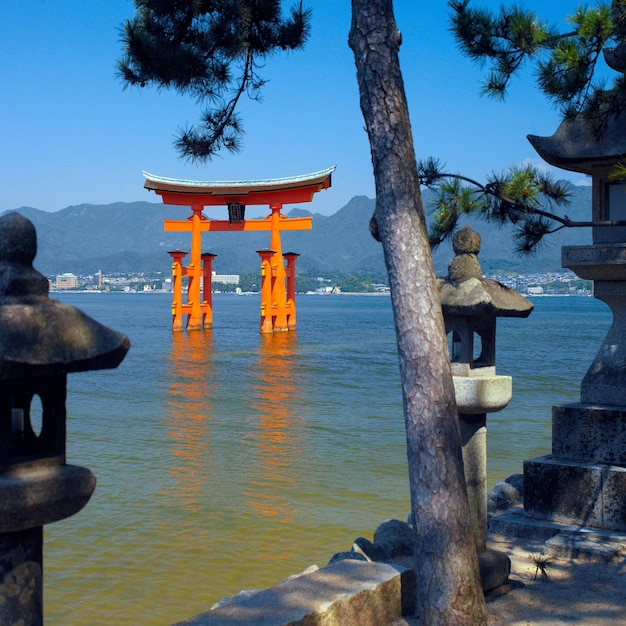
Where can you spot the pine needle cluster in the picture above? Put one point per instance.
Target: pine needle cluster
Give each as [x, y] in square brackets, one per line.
[212, 50]
[523, 196]
[568, 65]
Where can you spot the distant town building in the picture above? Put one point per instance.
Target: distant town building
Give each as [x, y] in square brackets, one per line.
[534, 291]
[227, 279]
[67, 281]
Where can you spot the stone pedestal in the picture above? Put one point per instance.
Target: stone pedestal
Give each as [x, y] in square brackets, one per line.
[474, 442]
[479, 392]
[476, 394]
[583, 481]
[29, 498]
[21, 577]
[589, 433]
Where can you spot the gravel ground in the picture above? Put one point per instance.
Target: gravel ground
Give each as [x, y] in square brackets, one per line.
[574, 592]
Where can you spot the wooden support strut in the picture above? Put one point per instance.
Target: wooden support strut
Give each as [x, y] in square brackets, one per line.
[207, 288]
[291, 288]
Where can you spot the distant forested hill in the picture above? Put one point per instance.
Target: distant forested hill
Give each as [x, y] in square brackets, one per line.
[126, 237]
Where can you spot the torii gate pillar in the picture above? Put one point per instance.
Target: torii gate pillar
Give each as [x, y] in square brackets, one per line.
[198, 308]
[267, 280]
[278, 307]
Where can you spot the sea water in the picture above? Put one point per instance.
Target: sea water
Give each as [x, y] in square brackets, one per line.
[227, 460]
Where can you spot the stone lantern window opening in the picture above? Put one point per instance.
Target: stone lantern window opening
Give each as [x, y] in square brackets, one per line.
[471, 343]
[455, 346]
[34, 411]
[36, 414]
[608, 205]
[616, 201]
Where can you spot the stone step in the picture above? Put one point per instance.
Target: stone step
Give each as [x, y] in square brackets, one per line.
[560, 540]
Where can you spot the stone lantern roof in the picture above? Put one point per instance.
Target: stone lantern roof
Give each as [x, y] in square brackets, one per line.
[40, 336]
[465, 292]
[575, 147]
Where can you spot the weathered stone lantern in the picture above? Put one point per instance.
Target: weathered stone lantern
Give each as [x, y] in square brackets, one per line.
[41, 341]
[583, 481]
[471, 304]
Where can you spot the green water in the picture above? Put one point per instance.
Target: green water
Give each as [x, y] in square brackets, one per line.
[227, 460]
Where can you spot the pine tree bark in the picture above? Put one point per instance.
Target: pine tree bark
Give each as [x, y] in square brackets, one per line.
[449, 589]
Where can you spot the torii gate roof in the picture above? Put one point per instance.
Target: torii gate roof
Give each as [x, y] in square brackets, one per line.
[273, 191]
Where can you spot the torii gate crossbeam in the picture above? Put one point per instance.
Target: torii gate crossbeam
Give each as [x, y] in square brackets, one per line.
[278, 307]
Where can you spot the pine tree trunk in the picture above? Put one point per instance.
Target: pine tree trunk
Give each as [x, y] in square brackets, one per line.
[449, 590]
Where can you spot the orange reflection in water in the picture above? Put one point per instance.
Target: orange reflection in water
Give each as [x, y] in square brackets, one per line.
[278, 427]
[189, 416]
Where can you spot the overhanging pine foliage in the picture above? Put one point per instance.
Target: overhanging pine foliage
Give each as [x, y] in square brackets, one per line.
[211, 50]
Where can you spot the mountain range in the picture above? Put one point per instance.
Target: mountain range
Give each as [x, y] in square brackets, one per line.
[129, 237]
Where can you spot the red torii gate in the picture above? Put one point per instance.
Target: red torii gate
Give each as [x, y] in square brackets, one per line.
[278, 305]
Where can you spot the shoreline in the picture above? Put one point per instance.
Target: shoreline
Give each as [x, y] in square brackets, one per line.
[368, 294]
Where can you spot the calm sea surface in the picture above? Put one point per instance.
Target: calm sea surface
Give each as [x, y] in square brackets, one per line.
[227, 460]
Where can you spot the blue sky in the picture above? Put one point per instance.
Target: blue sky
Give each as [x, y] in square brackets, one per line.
[70, 134]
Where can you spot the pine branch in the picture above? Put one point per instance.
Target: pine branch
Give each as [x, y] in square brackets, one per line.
[566, 63]
[518, 197]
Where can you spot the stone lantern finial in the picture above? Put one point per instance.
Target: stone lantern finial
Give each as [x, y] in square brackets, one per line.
[465, 292]
[466, 246]
[18, 247]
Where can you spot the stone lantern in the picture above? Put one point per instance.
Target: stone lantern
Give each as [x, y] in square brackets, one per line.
[41, 341]
[583, 481]
[471, 304]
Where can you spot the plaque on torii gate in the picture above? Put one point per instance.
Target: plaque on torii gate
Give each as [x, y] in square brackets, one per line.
[278, 306]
